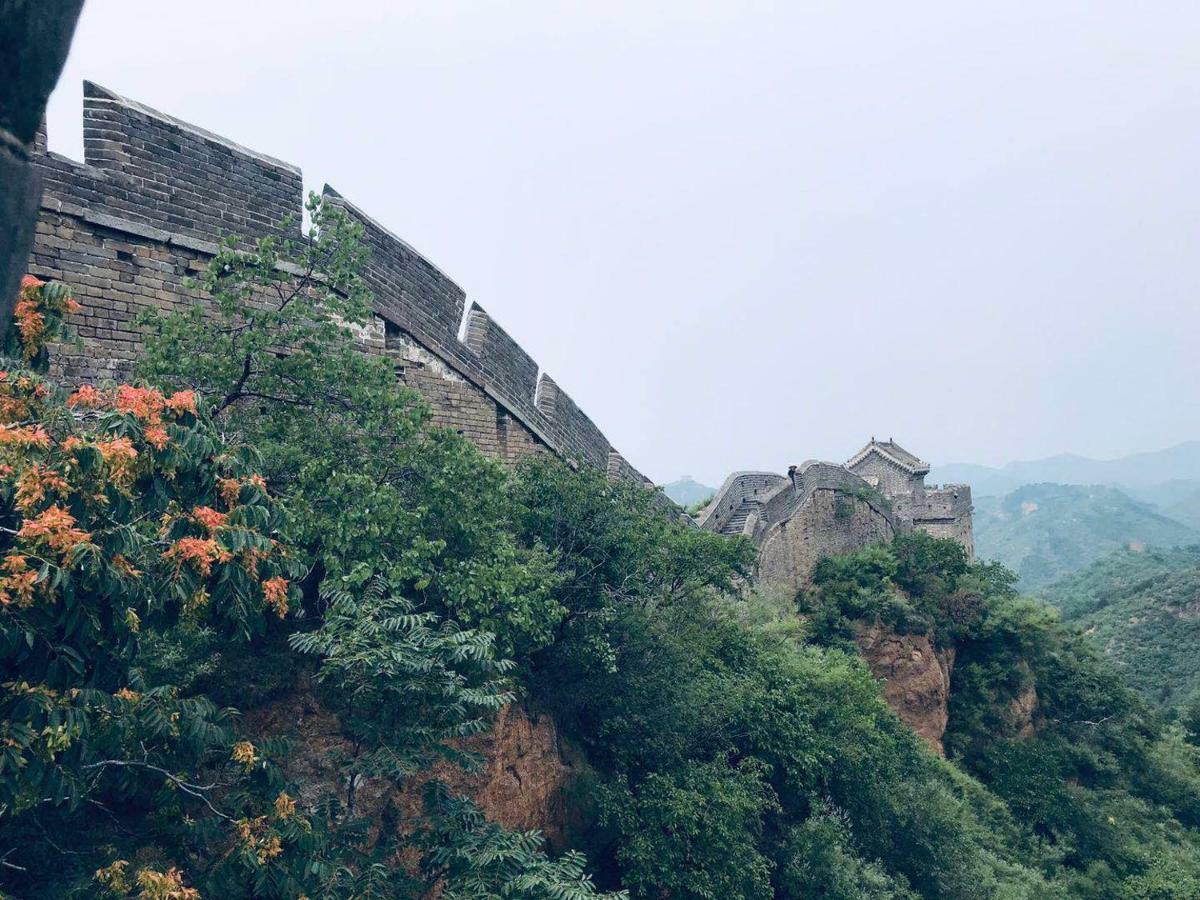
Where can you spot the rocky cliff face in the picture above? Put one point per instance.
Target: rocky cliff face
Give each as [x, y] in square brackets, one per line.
[530, 777]
[915, 679]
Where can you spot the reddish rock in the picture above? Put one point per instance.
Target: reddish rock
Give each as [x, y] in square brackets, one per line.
[915, 679]
[531, 778]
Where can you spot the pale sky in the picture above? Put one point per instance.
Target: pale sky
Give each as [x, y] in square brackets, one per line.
[744, 234]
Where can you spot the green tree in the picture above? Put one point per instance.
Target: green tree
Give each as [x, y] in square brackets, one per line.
[403, 684]
[374, 489]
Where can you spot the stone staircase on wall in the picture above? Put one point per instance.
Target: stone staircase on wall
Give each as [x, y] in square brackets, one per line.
[736, 523]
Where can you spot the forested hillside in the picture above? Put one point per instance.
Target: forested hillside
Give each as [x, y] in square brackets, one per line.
[1142, 609]
[251, 606]
[1045, 531]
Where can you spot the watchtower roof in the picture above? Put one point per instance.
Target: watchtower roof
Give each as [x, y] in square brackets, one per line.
[892, 452]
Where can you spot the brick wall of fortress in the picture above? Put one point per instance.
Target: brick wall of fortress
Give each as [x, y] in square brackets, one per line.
[144, 211]
[944, 511]
[818, 514]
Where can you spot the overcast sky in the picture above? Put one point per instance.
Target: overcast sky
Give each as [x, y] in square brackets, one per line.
[744, 234]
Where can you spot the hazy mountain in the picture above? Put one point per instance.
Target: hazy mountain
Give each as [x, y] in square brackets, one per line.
[1180, 463]
[1045, 531]
[1143, 611]
[687, 491]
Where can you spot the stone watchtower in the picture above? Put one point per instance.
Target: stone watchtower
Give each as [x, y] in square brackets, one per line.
[821, 509]
[942, 510]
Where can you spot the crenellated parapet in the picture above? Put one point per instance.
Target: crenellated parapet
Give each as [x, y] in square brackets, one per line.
[147, 208]
[945, 511]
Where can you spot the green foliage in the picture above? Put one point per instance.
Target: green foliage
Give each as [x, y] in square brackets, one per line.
[736, 749]
[918, 583]
[726, 746]
[694, 832]
[819, 860]
[474, 859]
[1140, 609]
[111, 537]
[373, 489]
[402, 683]
[179, 562]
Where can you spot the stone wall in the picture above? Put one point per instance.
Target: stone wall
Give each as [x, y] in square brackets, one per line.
[826, 522]
[823, 509]
[738, 489]
[944, 511]
[146, 209]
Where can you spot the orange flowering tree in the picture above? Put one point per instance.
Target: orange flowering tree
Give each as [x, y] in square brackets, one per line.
[128, 527]
[122, 513]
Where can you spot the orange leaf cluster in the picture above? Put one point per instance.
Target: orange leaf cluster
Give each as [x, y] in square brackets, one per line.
[30, 314]
[245, 753]
[34, 484]
[55, 529]
[166, 885]
[209, 518]
[201, 553]
[87, 397]
[125, 567]
[182, 402]
[285, 806]
[23, 437]
[18, 582]
[230, 489]
[157, 437]
[143, 404]
[19, 396]
[275, 593]
[31, 322]
[120, 456]
[146, 405]
[265, 844]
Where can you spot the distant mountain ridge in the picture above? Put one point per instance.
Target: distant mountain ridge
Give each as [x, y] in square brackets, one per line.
[1135, 472]
[687, 491]
[1046, 531]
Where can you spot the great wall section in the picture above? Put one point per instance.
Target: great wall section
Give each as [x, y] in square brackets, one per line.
[154, 196]
[146, 210]
[822, 509]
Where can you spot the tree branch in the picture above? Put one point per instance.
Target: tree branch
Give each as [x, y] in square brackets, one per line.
[234, 394]
[192, 790]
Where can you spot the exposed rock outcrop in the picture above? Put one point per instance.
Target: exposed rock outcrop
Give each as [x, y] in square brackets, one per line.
[1021, 713]
[530, 778]
[915, 679]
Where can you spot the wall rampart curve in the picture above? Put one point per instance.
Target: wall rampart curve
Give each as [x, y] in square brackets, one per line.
[738, 487]
[152, 201]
